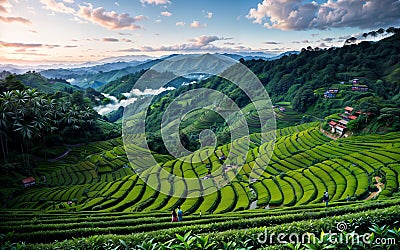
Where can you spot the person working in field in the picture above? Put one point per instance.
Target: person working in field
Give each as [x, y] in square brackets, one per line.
[174, 216]
[326, 197]
[180, 214]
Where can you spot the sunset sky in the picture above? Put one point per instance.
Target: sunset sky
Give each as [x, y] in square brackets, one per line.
[47, 31]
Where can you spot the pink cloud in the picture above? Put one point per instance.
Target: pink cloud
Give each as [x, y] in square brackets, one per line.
[109, 19]
[5, 6]
[15, 19]
[301, 15]
[57, 6]
[166, 13]
[197, 24]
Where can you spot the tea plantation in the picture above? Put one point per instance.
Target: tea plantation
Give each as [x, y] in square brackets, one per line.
[93, 196]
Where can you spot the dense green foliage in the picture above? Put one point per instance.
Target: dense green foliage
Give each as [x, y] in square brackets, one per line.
[239, 229]
[42, 84]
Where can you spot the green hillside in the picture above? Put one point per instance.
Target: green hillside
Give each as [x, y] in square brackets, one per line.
[37, 81]
[111, 203]
[305, 163]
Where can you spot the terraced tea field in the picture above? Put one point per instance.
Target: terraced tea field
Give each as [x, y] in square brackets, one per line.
[89, 230]
[303, 165]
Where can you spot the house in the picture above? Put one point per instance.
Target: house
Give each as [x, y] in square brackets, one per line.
[331, 93]
[343, 123]
[348, 110]
[340, 129]
[332, 125]
[355, 81]
[27, 182]
[352, 117]
[359, 88]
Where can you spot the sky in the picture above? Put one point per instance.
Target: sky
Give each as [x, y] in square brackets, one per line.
[74, 31]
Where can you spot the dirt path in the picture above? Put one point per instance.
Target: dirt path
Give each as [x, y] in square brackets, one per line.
[379, 185]
[329, 134]
[60, 156]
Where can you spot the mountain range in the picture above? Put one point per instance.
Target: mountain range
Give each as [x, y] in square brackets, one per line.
[97, 74]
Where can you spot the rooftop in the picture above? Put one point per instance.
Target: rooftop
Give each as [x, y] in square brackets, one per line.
[28, 180]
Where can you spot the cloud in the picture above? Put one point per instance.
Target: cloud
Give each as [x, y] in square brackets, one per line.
[70, 46]
[229, 43]
[303, 41]
[131, 98]
[205, 40]
[126, 40]
[20, 45]
[29, 52]
[107, 39]
[300, 15]
[59, 7]
[201, 43]
[27, 45]
[5, 6]
[272, 43]
[180, 23]
[209, 15]
[166, 13]
[156, 2]
[33, 31]
[15, 20]
[116, 3]
[327, 39]
[108, 19]
[323, 45]
[196, 24]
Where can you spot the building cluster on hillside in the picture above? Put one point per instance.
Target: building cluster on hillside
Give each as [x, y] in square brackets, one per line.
[331, 93]
[355, 86]
[340, 126]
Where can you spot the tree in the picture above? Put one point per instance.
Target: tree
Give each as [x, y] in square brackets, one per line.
[354, 125]
[283, 84]
[303, 99]
[380, 31]
[351, 40]
[373, 33]
[11, 83]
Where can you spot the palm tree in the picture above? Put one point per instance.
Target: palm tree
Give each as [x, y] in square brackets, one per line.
[26, 133]
[4, 124]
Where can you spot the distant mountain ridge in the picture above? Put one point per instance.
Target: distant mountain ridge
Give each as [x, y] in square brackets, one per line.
[96, 74]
